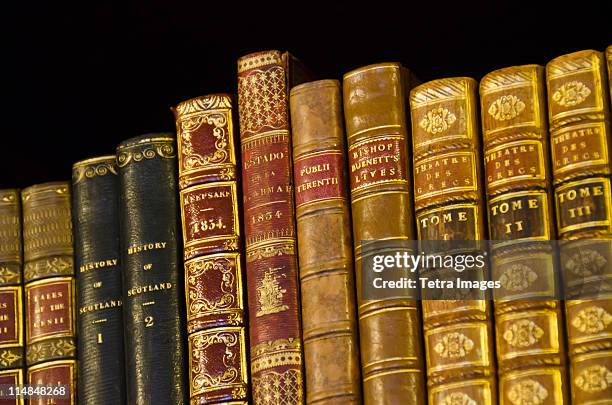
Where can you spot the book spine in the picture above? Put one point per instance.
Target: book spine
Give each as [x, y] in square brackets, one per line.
[95, 214]
[579, 120]
[49, 288]
[375, 99]
[270, 237]
[529, 321]
[12, 356]
[152, 283]
[331, 353]
[214, 279]
[447, 185]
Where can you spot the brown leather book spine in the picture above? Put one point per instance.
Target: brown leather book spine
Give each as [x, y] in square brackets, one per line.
[271, 256]
[49, 288]
[579, 119]
[12, 358]
[214, 279]
[377, 128]
[329, 320]
[529, 321]
[449, 206]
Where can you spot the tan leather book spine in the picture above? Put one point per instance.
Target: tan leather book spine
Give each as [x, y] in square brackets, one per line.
[329, 320]
[214, 279]
[579, 120]
[447, 185]
[49, 287]
[529, 323]
[269, 229]
[377, 129]
[12, 356]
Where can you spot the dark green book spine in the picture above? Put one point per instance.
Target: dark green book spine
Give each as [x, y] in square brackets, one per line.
[152, 284]
[95, 192]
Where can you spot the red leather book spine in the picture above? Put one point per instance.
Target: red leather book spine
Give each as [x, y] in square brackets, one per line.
[271, 257]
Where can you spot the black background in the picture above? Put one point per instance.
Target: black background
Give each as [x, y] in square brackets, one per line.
[78, 78]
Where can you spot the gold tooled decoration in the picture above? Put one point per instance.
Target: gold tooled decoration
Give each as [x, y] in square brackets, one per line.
[59, 265]
[198, 303]
[10, 274]
[186, 126]
[571, 93]
[203, 103]
[454, 345]
[592, 319]
[458, 398]
[523, 333]
[10, 356]
[270, 294]
[527, 392]
[517, 277]
[506, 107]
[594, 379]
[269, 251]
[586, 263]
[262, 101]
[203, 380]
[438, 120]
[274, 388]
[50, 349]
[94, 167]
[162, 147]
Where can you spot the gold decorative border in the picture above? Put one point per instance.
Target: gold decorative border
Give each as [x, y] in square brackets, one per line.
[70, 302]
[146, 149]
[90, 168]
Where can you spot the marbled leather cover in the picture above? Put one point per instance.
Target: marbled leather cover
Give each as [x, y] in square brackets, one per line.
[214, 278]
[376, 117]
[329, 318]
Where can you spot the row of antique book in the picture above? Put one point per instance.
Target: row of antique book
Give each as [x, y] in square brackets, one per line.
[171, 247]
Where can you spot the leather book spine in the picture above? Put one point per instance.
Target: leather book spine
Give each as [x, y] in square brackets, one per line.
[154, 328]
[377, 128]
[95, 214]
[329, 318]
[12, 356]
[270, 237]
[214, 279]
[529, 323]
[579, 120]
[447, 184]
[49, 288]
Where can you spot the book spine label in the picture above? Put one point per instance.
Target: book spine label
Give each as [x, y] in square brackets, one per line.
[529, 322]
[95, 191]
[331, 353]
[60, 373]
[271, 257]
[375, 100]
[214, 278]
[12, 341]
[152, 285]
[49, 283]
[449, 206]
[579, 119]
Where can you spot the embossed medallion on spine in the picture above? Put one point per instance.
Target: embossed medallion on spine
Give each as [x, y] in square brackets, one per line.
[12, 356]
[154, 326]
[214, 279]
[49, 287]
[271, 257]
[377, 129]
[529, 322]
[449, 206]
[331, 353]
[95, 205]
[579, 119]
